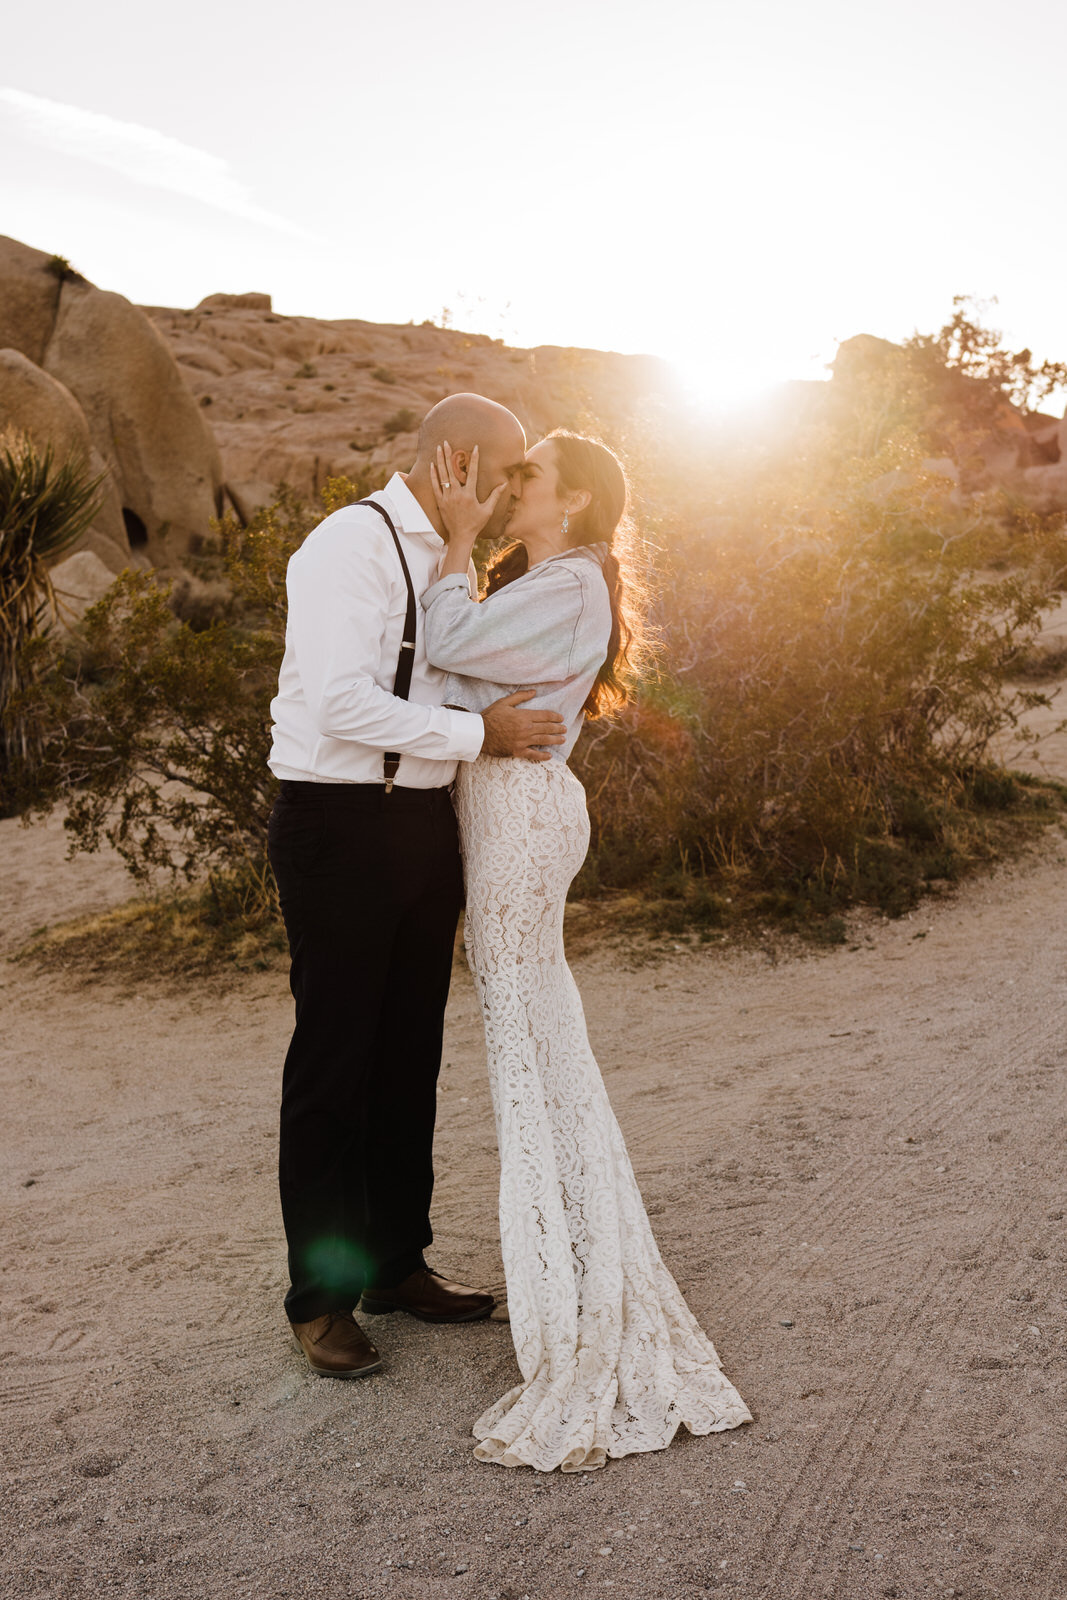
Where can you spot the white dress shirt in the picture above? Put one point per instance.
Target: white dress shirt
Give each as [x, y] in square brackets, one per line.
[335, 714]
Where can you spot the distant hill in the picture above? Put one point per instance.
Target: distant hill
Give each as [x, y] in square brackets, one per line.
[186, 412]
[296, 400]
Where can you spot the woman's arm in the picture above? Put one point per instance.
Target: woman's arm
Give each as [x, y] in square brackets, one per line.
[524, 633]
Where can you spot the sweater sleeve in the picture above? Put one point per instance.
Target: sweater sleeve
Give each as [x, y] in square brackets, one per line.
[525, 633]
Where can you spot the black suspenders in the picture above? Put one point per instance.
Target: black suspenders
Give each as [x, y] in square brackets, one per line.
[406, 659]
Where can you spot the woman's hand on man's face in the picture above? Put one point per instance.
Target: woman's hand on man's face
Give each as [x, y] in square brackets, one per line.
[462, 513]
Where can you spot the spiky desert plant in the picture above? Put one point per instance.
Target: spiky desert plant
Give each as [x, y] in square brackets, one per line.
[45, 507]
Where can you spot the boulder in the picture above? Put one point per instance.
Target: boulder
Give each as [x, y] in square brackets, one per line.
[79, 582]
[33, 403]
[864, 356]
[29, 298]
[115, 556]
[235, 302]
[116, 371]
[249, 495]
[142, 419]
[36, 404]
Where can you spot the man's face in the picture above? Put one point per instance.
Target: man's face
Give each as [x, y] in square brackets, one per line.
[501, 460]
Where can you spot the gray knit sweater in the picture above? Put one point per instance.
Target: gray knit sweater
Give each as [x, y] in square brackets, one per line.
[547, 630]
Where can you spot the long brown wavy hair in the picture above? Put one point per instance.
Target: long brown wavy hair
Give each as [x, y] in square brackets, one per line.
[587, 464]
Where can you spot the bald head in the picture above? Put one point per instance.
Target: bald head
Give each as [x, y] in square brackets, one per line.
[466, 420]
[463, 421]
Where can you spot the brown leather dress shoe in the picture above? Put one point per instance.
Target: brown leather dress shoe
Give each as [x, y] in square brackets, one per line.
[431, 1298]
[336, 1346]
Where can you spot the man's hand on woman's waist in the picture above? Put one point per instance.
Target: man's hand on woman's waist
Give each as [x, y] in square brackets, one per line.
[510, 731]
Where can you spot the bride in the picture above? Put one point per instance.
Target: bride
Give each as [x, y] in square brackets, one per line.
[612, 1359]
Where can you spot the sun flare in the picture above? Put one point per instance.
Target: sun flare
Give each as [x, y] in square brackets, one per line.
[714, 387]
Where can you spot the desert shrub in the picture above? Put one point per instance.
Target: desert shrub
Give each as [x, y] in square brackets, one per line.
[836, 669]
[402, 421]
[836, 665]
[966, 347]
[306, 369]
[951, 394]
[45, 507]
[61, 268]
[155, 726]
[383, 374]
[200, 603]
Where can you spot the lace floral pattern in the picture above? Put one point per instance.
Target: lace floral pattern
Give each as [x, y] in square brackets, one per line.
[612, 1359]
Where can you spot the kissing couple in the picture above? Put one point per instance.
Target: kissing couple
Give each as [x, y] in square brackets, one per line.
[421, 737]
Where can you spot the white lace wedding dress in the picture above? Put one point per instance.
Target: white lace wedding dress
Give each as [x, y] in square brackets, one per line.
[612, 1359]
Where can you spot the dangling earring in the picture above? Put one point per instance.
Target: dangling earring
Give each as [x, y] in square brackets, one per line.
[566, 524]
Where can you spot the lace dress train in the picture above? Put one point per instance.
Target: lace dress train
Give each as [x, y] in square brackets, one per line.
[612, 1359]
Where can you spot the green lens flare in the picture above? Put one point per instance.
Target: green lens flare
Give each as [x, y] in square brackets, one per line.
[336, 1262]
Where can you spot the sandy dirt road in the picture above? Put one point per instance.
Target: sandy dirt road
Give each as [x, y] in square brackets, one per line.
[855, 1167]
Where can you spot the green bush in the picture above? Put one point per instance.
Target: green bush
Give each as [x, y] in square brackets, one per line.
[156, 726]
[835, 677]
[61, 268]
[840, 636]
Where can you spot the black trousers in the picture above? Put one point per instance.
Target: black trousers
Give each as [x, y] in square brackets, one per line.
[371, 888]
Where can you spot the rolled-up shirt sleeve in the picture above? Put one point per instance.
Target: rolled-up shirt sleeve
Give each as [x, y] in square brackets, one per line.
[339, 590]
[522, 634]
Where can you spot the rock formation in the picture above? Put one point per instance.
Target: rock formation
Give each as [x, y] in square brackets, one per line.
[186, 409]
[34, 403]
[974, 427]
[79, 582]
[102, 359]
[294, 400]
[236, 302]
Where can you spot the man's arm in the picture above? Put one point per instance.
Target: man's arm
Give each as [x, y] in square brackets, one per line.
[341, 587]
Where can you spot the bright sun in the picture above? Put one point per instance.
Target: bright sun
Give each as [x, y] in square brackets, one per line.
[716, 386]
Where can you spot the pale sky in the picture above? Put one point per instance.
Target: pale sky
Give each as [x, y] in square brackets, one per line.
[733, 186]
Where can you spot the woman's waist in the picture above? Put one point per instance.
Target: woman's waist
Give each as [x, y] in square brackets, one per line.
[477, 694]
[518, 773]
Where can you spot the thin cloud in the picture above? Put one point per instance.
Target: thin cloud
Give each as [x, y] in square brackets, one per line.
[141, 154]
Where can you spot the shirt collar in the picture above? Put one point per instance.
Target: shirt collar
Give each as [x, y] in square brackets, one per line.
[410, 515]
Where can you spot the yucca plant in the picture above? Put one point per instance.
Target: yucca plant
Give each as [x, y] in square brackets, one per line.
[45, 507]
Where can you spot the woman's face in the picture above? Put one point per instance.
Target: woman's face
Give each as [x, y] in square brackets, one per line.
[539, 511]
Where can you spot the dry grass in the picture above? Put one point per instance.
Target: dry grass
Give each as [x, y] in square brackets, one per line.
[230, 924]
[170, 938]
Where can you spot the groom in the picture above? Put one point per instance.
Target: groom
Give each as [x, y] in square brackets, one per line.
[364, 847]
